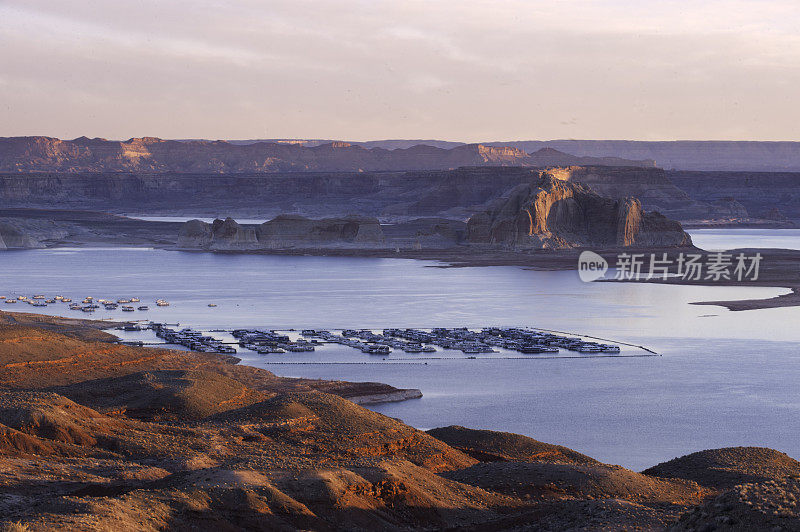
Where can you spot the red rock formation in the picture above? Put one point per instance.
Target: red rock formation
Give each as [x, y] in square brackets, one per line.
[552, 213]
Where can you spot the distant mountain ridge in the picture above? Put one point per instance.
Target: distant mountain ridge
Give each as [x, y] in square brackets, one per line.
[707, 155]
[154, 155]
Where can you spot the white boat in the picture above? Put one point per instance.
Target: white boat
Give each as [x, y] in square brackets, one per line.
[590, 349]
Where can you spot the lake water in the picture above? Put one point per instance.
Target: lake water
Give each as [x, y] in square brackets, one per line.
[724, 378]
[181, 219]
[727, 239]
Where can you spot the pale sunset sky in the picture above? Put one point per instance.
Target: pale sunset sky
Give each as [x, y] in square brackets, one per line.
[466, 70]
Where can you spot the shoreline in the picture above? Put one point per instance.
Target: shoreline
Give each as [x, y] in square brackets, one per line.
[755, 224]
[784, 300]
[780, 266]
[264, 438]
[780, 270]
[98, 331]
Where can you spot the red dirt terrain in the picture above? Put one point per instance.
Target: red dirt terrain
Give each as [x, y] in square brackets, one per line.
[95, 435]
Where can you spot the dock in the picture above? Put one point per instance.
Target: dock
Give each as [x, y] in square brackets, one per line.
[494, 343]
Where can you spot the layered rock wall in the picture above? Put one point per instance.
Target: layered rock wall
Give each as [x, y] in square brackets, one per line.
[286, 231]
[219, 235]
[551, 213]
[282, 232]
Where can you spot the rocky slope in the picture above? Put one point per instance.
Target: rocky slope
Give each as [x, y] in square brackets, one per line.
[772, 196]
[454, 194]
[26, 234]
[757, 489]
[149, 154]
[771, 505]
[33, 228]
[494, 446]
[101, 436]
[725, 468]
[551, 213]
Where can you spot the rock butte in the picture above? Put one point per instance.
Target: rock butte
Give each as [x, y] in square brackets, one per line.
[285, 231]
[552, 213]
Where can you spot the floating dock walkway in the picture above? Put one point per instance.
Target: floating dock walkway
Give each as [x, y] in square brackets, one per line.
[493, 342]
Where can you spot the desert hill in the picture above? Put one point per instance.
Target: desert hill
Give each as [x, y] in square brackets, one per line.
[490, 446]
[770, 505]
[152, 439]
[724, 468]
[39, 352]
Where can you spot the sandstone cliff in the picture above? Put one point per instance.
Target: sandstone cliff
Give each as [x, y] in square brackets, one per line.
[294, 231]
[426, 233]
[12, 236]
[149, 154]
[551, 213]
[285, 231]
[27, 234]
[218, 235]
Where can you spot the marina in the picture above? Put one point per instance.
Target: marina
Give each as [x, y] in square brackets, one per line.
[712, 352]
[486, 340]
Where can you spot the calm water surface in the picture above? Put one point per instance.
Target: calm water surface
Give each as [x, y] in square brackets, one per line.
[727, 239]
[724, 378]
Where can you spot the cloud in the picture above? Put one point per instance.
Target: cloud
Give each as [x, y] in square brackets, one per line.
[357, 69]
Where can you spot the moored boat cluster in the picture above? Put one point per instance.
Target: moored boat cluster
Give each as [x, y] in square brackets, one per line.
[87, 304]
[468, 341]
[265, 342]
[194, 340]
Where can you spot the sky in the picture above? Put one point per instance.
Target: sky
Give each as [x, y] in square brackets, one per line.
[465, 70]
